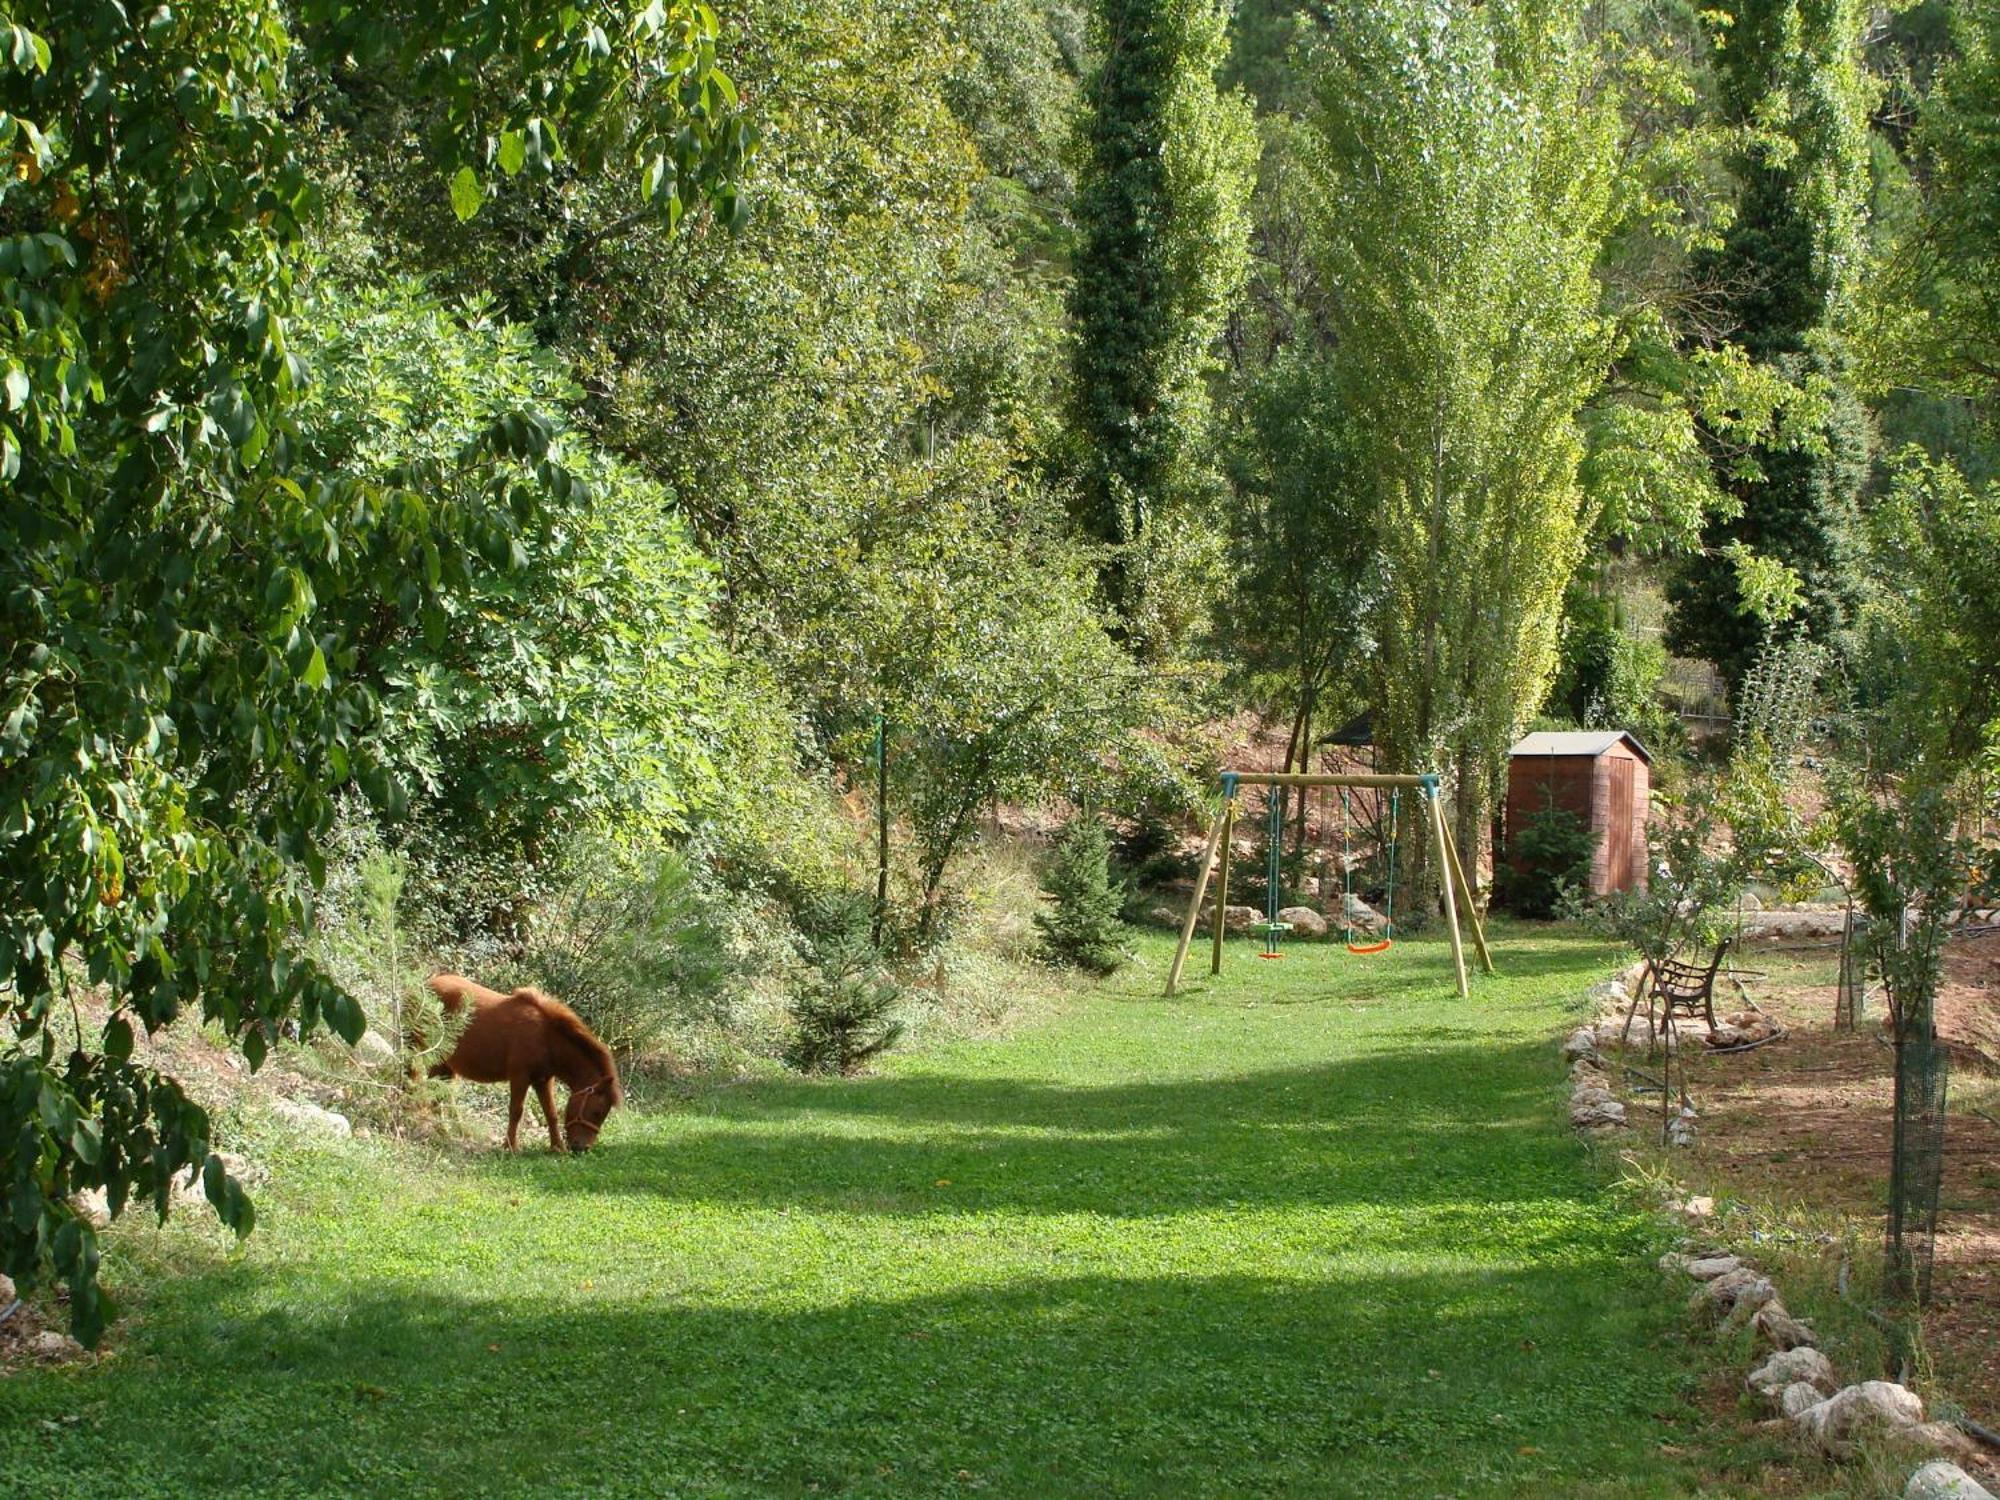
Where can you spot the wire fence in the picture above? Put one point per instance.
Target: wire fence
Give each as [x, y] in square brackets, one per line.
[1916, 1167]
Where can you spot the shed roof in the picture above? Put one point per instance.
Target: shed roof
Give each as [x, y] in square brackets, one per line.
[1587, 743]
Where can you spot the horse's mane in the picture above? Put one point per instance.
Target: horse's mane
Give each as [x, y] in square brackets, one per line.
[568, 1023]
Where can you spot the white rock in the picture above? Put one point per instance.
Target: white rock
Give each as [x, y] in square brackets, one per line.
[1673, 1263]
[1582, 1043]
[1942, 1481]
[7, 1292]
[309, 1116]
[1750, 901]
[1640, 1035]
[374, 1050]
[1945, 1440]
[1360, 913]
[52, 1345]
[1724, 1035]
[1610, 994]
[1305, 921]
[1710, 1267]
[1696, 1209]
[93, 1205]
[1604, 1114]
[1872, 1406]
[1789, 1367]
[1240, 918]
[1800, 1397]
[1781, 1330]
[1164, 916]
[1739, 1291]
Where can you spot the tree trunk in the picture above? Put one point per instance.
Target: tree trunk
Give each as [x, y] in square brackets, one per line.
[1470, 818]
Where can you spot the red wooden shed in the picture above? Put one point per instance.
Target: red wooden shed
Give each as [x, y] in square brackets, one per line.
[1605, 777]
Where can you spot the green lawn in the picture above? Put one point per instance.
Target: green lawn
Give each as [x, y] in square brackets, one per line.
[1315, 1230]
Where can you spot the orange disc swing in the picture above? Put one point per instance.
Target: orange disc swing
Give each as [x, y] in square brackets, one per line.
[1387, 940]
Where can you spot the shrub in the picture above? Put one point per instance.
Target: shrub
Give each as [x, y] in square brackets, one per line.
[633, 941]
[1150, 850]
[1081, 928]
[843, 1011]
[1551, 852]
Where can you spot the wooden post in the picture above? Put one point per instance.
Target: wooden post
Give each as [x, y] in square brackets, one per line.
[881, 827]
[1471, 899]
[1222, 884]
[1450, 899]
[1194, 906]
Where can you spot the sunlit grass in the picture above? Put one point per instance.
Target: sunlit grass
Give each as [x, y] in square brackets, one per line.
[1315, 1228]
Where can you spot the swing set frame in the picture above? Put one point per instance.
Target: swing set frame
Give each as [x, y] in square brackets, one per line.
[1457, 889]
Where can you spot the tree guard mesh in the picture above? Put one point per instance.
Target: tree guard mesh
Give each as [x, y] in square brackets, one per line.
[1916, 1166]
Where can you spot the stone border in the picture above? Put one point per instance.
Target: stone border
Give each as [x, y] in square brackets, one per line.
[1793, 1375]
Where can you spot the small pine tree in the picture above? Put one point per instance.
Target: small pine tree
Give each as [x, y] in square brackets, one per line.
[1081, 928]
[843, 1013]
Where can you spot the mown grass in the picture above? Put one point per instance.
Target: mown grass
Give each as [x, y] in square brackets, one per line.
[1316, 1229]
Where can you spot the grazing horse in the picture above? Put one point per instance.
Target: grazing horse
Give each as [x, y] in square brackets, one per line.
[528, 1040]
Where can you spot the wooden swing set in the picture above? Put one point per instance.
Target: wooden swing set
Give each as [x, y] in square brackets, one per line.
[1457, 888]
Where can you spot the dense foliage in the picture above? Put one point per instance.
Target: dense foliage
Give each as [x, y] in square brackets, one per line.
[1792, 81]
[189, 587]
[474, 481]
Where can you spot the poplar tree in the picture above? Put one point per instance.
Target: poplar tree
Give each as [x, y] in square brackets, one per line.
[1464, 165]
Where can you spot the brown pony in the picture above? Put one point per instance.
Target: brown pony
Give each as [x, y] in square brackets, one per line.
[526, 1039]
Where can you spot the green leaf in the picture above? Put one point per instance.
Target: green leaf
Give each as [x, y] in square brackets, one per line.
[466, 195]
[513, 152]
[315, 674]
[87, 1141]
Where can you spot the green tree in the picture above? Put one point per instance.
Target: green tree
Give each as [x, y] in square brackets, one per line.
[1464, 167]
[1929, 681]
[1793, 82]
[182, 593]
[579, 683]
[1081, 927]
[1298, 613]
[1162, 229]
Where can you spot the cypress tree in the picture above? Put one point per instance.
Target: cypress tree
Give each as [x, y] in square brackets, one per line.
[1162, 249]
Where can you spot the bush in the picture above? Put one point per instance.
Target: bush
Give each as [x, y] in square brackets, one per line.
[634, 942]
[1549, 854]
[1150, 851]
[1081, 927]
[843, 1012]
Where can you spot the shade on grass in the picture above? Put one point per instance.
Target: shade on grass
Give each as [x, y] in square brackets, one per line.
[1316, 1230]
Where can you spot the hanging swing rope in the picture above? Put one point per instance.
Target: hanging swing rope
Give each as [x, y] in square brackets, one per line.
[1429, 825]
[1272, 928]
[1347, 902]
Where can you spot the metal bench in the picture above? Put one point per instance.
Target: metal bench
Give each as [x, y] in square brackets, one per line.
[1684, 990]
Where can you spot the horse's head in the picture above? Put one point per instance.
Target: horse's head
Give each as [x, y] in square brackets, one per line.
[588, 1107]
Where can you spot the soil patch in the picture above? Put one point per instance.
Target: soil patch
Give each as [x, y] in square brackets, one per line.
[1806, 1123]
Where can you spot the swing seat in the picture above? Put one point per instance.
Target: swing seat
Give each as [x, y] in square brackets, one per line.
[1366, 948]
[1272, 931]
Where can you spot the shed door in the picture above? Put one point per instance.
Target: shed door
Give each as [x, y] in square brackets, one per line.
[1618, 829]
